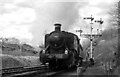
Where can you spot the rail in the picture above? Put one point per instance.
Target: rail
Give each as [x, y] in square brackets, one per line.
[20, 70]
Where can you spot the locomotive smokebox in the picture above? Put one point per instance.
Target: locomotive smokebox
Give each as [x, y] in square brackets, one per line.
[57, 27]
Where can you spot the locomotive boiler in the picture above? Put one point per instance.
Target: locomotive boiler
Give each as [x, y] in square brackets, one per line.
[62, 49]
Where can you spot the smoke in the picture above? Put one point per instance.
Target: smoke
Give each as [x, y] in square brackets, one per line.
[66, 13]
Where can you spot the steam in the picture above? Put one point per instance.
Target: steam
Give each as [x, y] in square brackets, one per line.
[65, 13]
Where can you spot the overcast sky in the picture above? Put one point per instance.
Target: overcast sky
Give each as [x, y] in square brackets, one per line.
[29, 20]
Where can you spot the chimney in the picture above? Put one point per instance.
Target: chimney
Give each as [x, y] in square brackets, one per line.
[57, 27]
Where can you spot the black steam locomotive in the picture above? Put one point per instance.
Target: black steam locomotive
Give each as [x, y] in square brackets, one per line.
[62, 49]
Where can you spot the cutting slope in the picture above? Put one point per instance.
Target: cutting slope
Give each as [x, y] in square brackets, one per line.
[9, 61]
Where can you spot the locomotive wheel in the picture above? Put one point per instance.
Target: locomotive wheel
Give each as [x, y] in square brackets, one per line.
[57, 64]
[61, 64]
[52, 64]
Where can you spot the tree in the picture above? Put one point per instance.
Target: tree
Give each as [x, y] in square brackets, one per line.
[118, 14]
[114, 16]
[114, 23]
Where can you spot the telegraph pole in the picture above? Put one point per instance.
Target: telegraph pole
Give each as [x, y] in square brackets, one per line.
[91, 38]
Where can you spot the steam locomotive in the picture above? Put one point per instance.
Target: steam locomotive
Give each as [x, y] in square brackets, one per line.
[62, 49]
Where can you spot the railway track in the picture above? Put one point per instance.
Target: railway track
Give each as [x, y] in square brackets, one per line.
[42, 71]
[52, 73]
[21, 71]
[30, 71]
[58, 72]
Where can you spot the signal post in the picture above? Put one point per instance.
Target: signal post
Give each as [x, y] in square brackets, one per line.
[79, 31]
[81, 69]
[91, 38]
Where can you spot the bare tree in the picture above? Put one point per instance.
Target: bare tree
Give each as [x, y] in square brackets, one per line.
[114, 15]
[114, 23]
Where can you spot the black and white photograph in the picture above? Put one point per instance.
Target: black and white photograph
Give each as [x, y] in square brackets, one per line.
[59, 38]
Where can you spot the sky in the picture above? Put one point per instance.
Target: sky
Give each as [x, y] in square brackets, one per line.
[30, 20]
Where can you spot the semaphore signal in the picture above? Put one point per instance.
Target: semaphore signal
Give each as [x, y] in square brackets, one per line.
[100, 23]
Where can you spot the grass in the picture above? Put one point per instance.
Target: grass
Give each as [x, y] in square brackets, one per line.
[19, 61]
[17, 58]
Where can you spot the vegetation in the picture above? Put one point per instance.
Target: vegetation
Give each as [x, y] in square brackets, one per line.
[108, 45]
[15, 54]
[15, 48]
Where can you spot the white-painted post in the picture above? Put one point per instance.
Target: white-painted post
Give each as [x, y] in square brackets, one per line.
[91, 38]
